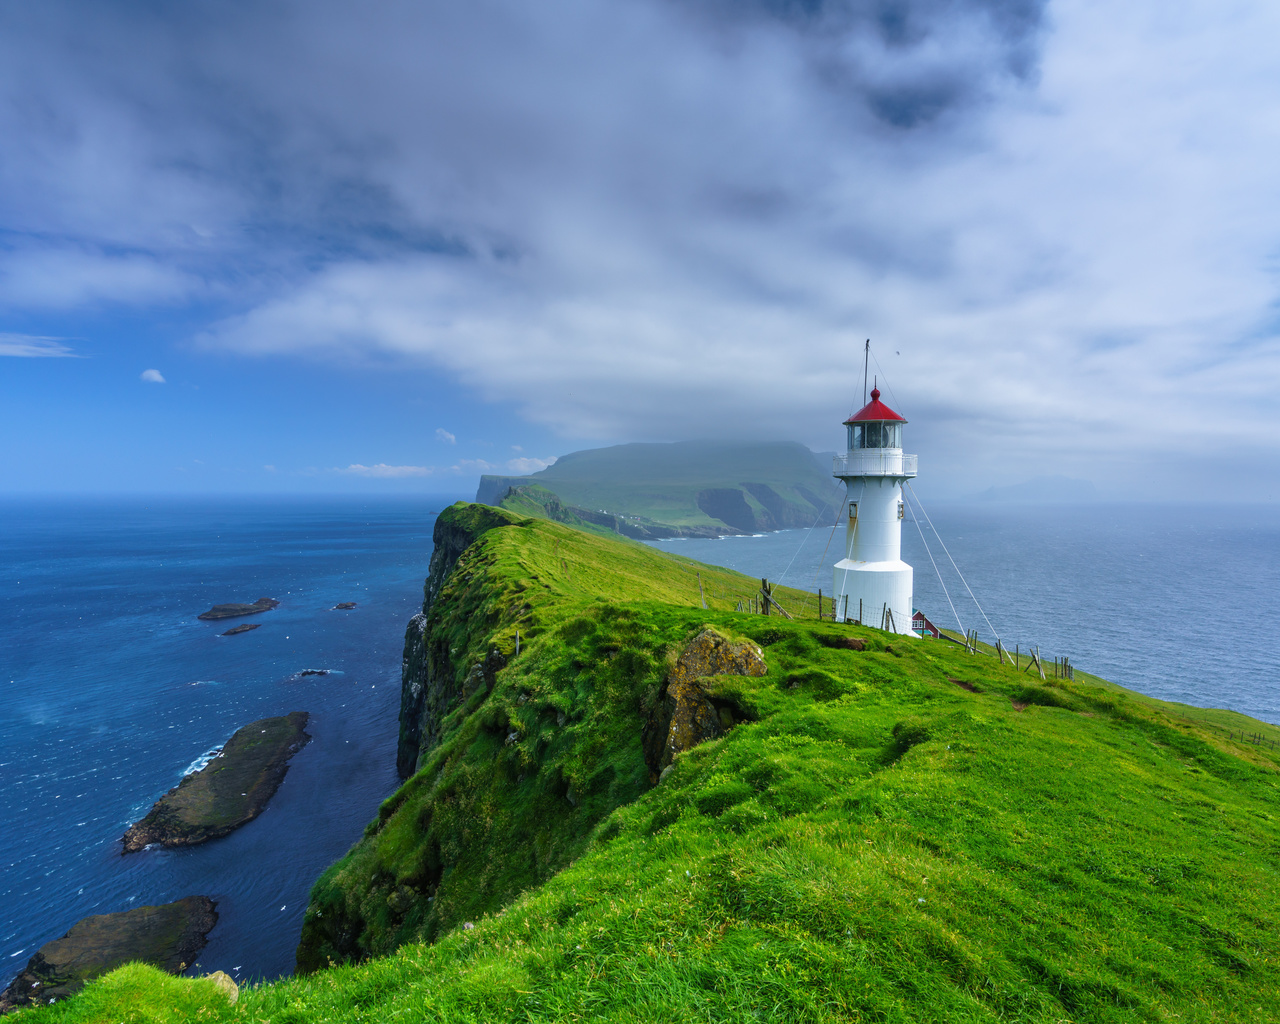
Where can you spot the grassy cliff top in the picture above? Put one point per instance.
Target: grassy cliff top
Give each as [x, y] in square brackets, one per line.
[902, 832]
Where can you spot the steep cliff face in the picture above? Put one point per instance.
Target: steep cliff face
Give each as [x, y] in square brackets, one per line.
[429, 681]
[516, 754]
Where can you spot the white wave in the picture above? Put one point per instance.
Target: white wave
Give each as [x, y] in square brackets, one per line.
[200, 762]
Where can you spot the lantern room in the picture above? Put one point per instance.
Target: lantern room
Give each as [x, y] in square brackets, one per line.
[875, 425]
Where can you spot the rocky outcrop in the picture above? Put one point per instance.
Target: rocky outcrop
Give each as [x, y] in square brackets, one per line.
[168, 937]
[229, 791]
[688, 714]
[428, 675]
[226, 985]
[235, 611]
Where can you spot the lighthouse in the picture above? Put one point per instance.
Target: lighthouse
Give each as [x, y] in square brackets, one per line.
[872, 582]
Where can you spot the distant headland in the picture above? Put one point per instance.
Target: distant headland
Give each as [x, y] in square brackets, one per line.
[684, 489]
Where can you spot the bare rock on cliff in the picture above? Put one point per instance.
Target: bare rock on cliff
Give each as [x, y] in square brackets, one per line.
[688, 715]
[168, 937]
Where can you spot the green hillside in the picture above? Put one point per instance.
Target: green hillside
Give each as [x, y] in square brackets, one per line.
[873, 828]
[692, 488]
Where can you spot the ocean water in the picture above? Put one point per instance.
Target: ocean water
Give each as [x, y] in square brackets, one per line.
[114, 690]
[1175, 601]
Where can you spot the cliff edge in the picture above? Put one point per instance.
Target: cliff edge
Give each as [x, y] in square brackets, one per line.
[428, 670]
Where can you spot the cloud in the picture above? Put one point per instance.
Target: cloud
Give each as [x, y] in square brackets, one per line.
[518, 466]
[445, 436]
[470, 467]
[527, 465]
[26, 346]
[661, 219]
[152, 376]
[41, 278]
[382, 470]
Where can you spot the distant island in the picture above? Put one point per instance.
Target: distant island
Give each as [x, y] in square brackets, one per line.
[229, 791]
[235, 611]
[684, 489]
[244, 627]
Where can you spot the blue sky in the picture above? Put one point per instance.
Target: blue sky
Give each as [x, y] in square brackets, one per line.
[388, 247]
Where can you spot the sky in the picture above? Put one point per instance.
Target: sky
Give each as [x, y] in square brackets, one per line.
[277, 246]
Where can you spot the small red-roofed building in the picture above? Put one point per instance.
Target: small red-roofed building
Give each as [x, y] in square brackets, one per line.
[922, 625]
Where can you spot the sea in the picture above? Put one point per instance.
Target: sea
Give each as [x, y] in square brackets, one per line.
[114, 689]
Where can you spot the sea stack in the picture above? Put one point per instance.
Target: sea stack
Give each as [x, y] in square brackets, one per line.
[872, 584]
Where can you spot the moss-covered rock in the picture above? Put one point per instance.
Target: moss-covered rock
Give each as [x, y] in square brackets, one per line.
[688, 714]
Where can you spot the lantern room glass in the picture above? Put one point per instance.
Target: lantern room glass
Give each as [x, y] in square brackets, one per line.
[875, 434]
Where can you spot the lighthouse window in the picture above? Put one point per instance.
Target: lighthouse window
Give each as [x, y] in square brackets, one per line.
[875, 435]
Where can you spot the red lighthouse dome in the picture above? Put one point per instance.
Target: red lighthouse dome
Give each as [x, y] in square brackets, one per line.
[875, 425]
[875, 410]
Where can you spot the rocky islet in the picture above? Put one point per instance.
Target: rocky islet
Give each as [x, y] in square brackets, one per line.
[169, 937]
[235, 611]
[229, 791]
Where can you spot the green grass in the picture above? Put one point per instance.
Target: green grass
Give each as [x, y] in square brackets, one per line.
[874, 841]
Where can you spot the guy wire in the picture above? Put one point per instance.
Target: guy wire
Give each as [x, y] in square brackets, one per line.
[953, 562]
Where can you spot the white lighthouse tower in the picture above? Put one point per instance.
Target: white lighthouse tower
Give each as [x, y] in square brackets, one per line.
[872, 582]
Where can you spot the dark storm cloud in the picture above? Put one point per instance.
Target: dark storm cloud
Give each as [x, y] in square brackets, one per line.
[278, 124]
[906, 95]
